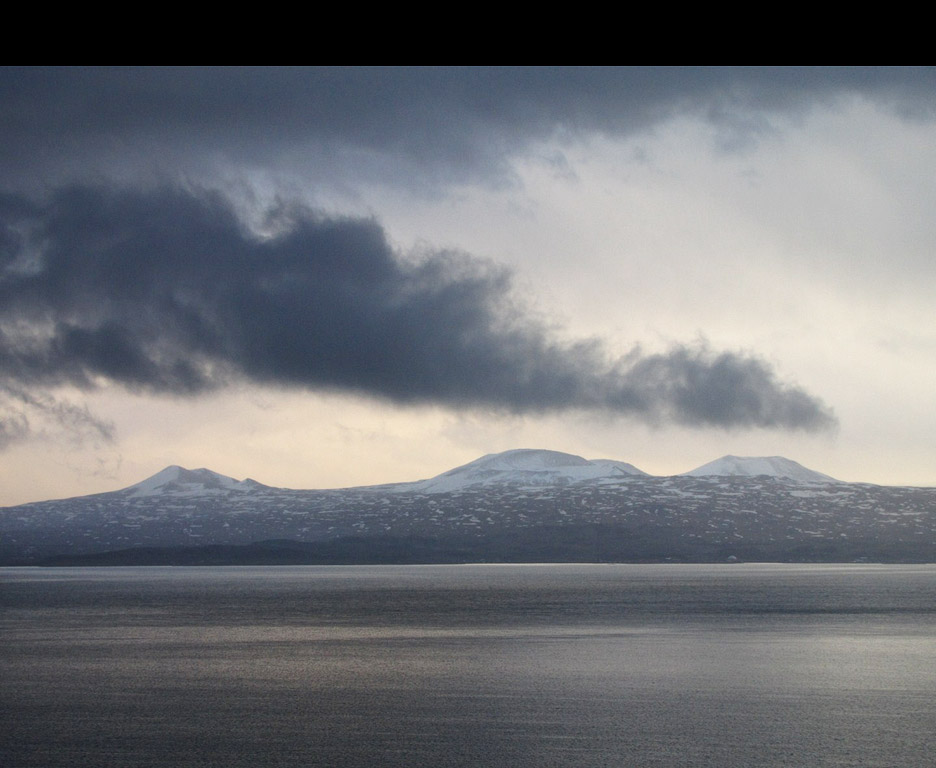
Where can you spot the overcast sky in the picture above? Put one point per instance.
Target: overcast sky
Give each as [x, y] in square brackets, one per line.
[332, 277]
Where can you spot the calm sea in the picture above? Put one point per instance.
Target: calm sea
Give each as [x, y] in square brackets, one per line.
[511, 666]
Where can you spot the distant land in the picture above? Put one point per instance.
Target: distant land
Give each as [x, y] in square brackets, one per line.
[525, 505]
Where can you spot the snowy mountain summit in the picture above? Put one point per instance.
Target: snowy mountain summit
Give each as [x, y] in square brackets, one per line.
[516, 506]
[519, 468]
[752, 466]
[526, 468]
[179, 481]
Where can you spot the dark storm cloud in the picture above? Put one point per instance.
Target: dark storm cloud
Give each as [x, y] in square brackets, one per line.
[168, 291]
[437, 122]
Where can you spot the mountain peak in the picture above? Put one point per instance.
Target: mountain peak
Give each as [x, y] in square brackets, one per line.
[189, 482]
[532, 459]
[752, 466]
[524, 467]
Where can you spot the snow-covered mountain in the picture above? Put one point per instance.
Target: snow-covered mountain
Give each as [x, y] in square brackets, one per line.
[516, 506]
[521, 468]
[178, 481]
[753, 466]
[524, 467]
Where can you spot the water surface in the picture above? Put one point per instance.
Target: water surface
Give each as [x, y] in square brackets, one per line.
[552, 665]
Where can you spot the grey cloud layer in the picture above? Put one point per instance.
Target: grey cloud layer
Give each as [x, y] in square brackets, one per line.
[167, 290]
[438, 122]
[26, 414]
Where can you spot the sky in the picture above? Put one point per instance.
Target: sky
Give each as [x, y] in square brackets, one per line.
[323, 277]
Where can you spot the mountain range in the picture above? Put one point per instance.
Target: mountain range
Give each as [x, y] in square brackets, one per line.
[517, 506]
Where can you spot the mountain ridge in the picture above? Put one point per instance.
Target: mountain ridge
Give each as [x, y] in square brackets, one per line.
[526, 505]
[526, 467]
